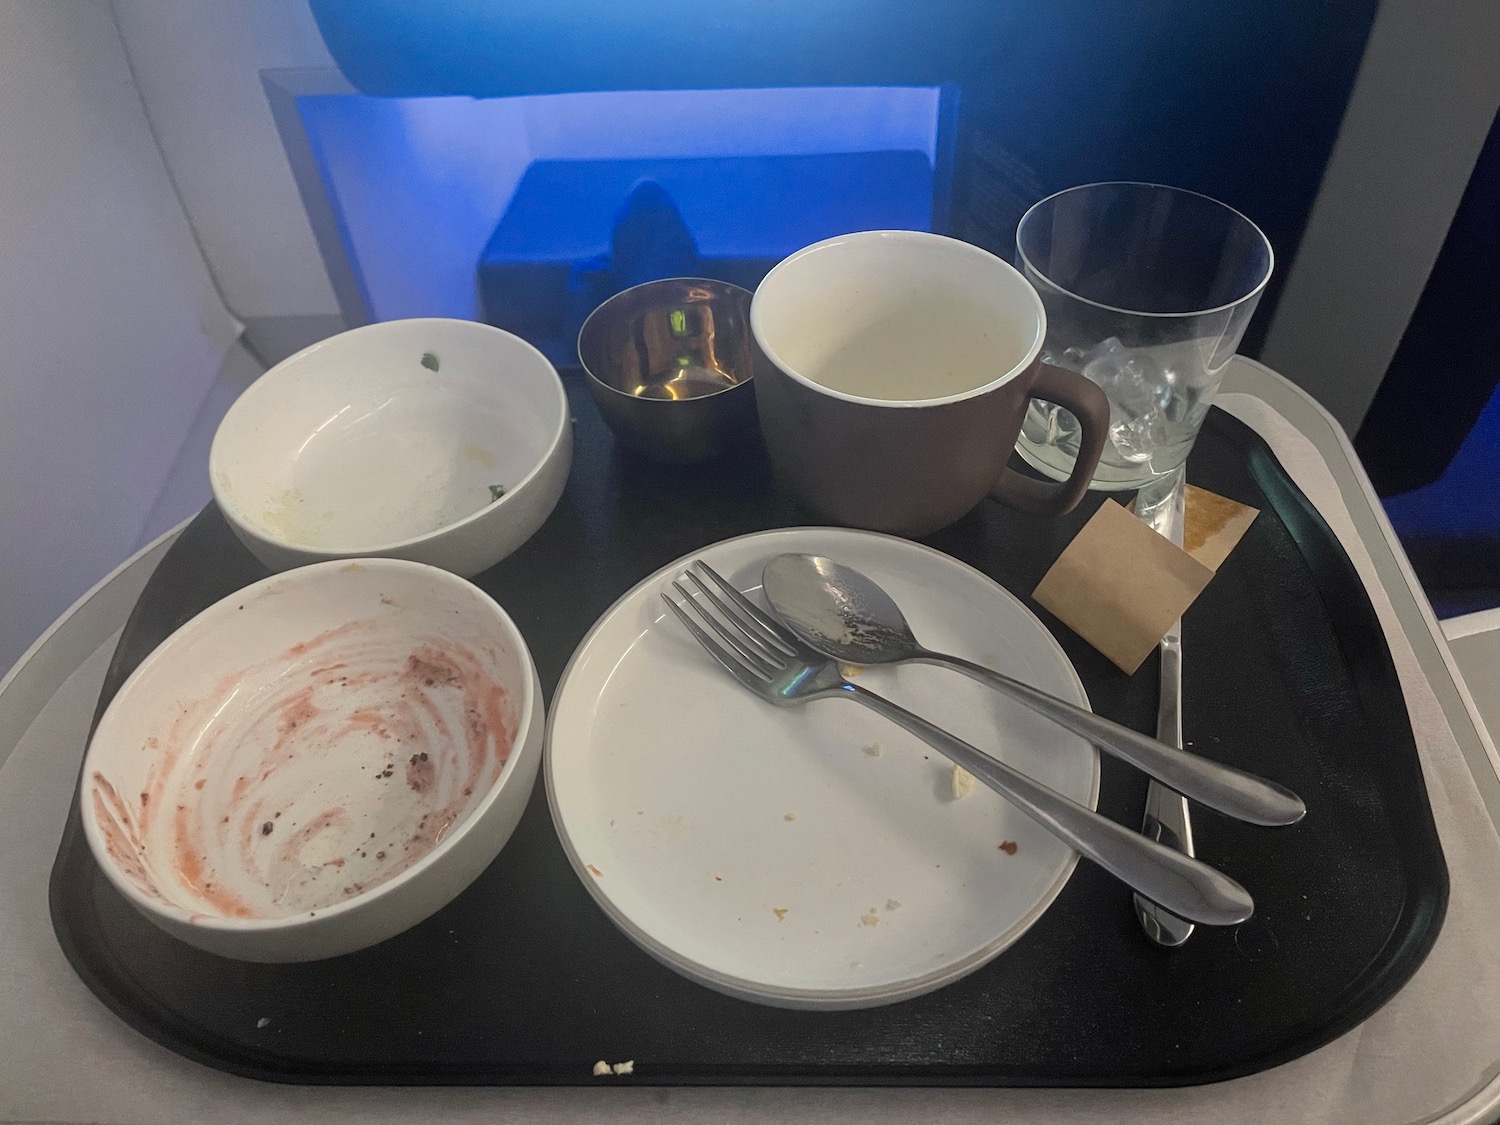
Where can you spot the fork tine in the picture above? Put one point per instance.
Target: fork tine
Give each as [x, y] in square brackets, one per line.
[763, 625]
[736, 640]
[744, 631]
[732, 665]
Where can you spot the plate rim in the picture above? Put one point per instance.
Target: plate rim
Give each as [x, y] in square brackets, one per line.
[757, 991]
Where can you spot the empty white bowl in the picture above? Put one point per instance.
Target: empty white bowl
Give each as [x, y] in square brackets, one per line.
[317, 762]
[441, 441]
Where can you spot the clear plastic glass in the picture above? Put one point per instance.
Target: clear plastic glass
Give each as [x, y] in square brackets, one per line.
[1148, 290]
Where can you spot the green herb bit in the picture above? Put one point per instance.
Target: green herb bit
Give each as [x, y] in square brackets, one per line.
[429, 361]
[497, 491]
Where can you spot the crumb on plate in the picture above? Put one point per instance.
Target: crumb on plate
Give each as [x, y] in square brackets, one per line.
[1008, 847]
[963, 783]
[780, 912]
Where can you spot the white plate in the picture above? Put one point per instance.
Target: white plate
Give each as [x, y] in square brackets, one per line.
[811, 857]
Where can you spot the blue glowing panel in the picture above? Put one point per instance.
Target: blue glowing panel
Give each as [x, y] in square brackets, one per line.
[578, 232]
[1465, 500]
[499, 48]
[416, 186]
[808, 121]
[422, 188]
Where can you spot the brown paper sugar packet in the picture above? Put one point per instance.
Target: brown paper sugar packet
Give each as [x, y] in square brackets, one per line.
[1119, 585]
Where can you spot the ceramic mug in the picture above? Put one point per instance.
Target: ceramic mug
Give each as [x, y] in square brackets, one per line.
[893, 372]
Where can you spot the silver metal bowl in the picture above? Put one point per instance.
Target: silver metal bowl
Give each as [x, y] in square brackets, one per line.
[669, 365]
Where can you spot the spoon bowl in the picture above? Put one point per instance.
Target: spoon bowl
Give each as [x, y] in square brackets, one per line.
[838, 611]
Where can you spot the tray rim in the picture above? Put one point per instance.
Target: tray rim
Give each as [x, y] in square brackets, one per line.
[1431, 908]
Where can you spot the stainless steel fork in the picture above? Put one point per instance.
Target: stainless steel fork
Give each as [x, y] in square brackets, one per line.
[771, 662]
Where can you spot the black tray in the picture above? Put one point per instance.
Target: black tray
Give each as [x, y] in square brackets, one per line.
[523, 980]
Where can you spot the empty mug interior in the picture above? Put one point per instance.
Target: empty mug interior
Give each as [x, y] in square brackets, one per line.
[898, 316]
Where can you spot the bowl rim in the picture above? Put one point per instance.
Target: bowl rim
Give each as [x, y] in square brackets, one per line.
[268, 383]
[205, 619]
[942, 243]
[600, 384]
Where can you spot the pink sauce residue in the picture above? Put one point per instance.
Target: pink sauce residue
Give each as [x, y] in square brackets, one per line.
[122, 837]
[329, 777]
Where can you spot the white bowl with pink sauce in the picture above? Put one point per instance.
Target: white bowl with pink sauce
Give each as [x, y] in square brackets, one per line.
[317, 762]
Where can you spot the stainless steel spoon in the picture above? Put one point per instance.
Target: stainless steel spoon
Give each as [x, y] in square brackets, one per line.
[844, 615]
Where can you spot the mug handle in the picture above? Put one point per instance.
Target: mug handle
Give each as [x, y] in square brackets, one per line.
[1090, 406]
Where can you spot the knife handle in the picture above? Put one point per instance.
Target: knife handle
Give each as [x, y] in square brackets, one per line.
[1167, 820]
